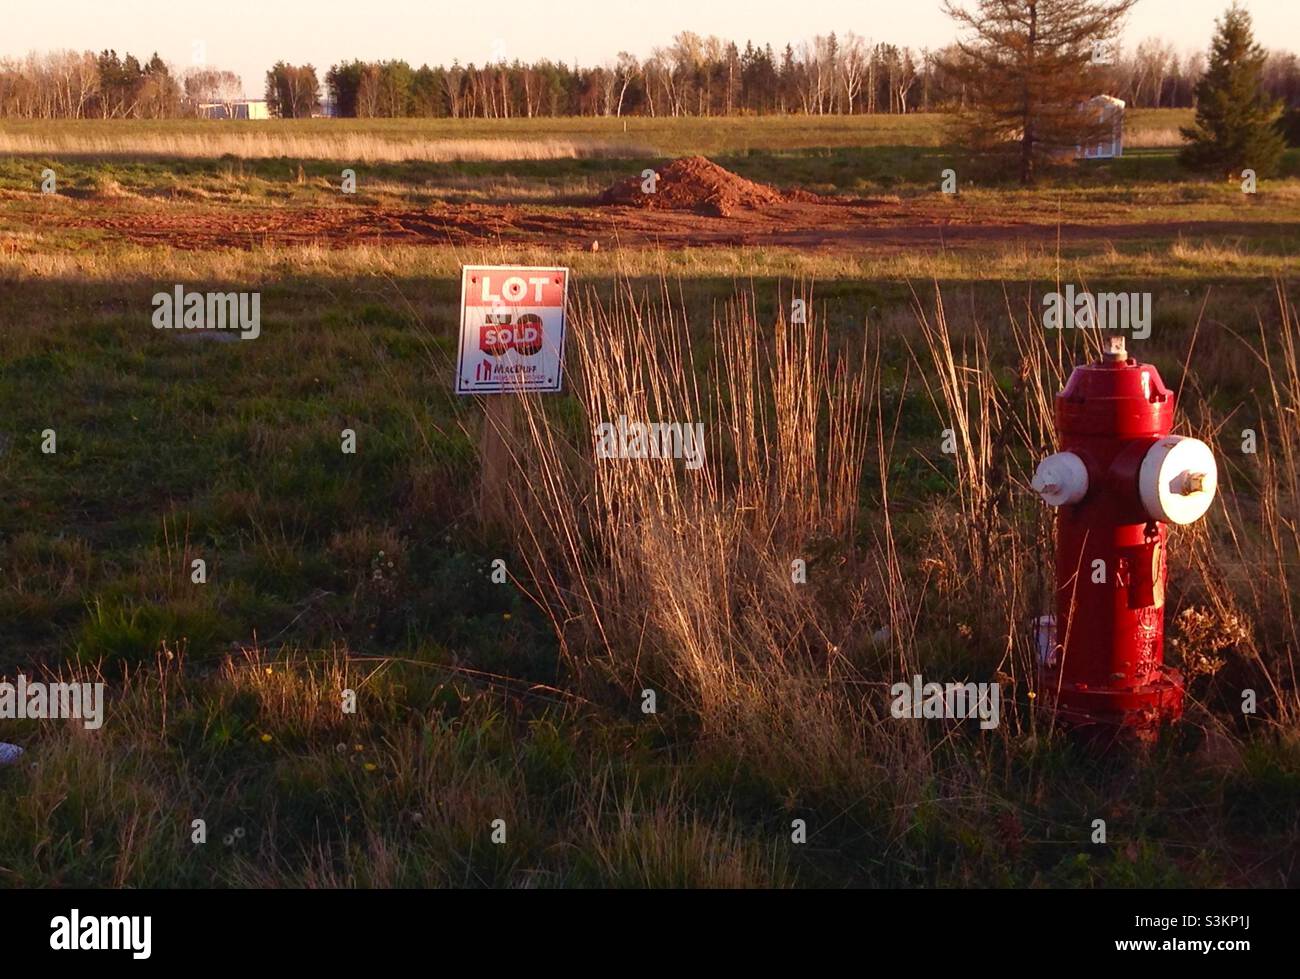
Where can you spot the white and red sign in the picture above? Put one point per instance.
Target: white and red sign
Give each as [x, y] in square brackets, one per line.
[511, 329]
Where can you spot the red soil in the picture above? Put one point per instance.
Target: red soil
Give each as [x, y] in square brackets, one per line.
[696, 203]
[694, 184]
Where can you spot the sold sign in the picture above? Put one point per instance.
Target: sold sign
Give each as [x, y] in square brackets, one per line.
[511, 329]
[499, 335]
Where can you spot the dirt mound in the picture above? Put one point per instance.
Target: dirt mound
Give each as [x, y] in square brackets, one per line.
[693, 183]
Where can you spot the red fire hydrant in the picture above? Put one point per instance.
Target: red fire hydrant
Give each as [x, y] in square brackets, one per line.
[1119, 480]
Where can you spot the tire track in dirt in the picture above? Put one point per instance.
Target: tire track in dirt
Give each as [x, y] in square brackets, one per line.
[827, 227]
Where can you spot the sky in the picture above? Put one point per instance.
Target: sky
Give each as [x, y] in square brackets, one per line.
[248, 36]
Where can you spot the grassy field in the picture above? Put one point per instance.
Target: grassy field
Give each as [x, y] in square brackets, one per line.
[1150, 219]
[522, 701]
[375, 140]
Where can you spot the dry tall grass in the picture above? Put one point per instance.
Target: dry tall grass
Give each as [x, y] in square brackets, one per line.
[1247, 562]
[1234, 573]
[656, 576]
[683, 581]
[343, 145]
[1154, 138]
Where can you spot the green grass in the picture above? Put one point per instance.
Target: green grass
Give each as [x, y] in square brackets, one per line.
[171, 449]
[1135, 203]
[587, 799]
[328, 571]
[676, 137]
[670, 136]
[835, 166]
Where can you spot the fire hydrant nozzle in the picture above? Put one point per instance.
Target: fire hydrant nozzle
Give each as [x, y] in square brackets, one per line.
[1061, 479]
[1178, 479]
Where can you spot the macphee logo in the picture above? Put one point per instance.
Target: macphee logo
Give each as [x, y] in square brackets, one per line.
[499, 335]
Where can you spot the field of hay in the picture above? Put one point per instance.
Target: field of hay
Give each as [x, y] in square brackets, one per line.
[379, 140]
[523, 700]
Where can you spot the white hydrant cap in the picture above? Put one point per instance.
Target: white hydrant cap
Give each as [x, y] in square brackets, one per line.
[1178, 480]
[1061, 478]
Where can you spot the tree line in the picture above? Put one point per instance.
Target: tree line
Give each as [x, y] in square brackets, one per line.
[693, 75]
[708, 76]
[85, 85]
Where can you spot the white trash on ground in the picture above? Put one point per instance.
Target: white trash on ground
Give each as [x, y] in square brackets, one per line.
[9, 753]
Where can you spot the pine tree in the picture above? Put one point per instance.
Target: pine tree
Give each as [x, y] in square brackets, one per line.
[1028, 67]
[1236, 122]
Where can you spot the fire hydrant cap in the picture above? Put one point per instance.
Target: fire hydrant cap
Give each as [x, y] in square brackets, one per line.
[1062, 478]
[1178, 480]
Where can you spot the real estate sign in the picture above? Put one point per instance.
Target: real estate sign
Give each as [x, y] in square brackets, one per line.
[511, 329]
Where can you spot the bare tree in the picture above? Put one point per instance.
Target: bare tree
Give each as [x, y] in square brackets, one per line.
[853, 68]
[212, 85]
[528, 81]
[453, 82]
[628, 70]
[606, 77]
[818, 77]
[368, 93]
[904, 78]
[1154, 59]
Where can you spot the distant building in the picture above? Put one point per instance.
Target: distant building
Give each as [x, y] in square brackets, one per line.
[1110, 112]
[236, 109]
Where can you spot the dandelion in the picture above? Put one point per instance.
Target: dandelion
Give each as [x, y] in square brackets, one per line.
[370, 766]
[267, 739]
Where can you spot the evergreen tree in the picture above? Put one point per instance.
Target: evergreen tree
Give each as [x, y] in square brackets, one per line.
[1236, 122]
[343, 81]
[1028, 69]
[786, 80]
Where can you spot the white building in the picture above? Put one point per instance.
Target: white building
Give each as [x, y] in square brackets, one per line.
[236, 109]
[1110, 112]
